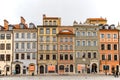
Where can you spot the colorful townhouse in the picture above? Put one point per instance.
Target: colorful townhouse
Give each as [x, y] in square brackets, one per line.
[47, 45]
[24, 49]
[66, 50]
[6, 48]
[108, 49]
[86, 48]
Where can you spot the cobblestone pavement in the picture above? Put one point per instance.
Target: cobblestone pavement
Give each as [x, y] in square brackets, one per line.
[64, 77]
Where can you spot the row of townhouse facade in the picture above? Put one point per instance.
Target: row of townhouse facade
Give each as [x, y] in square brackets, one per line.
[50, 48]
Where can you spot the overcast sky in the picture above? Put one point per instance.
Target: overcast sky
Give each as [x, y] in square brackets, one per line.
[68, 10]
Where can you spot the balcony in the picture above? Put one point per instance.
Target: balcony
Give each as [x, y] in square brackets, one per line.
[25, 50]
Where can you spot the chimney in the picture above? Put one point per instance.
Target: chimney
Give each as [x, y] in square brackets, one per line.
[6, 24]
[22, 20]
[44, 15]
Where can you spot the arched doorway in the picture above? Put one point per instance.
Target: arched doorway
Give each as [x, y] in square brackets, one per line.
[17, 69]
[94, 67]
[41, 69]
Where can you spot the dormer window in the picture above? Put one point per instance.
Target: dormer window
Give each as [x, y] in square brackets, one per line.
[10, 27]
[31, 25]
[21, 26]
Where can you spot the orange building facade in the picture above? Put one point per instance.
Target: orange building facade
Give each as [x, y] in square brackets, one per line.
[108, 49]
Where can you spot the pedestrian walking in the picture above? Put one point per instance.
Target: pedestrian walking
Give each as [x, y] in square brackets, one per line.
[117, 73]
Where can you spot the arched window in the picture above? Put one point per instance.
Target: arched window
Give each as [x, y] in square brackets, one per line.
[109, 47]
[71, 68]
[61, 67]
[77, 33]
[94, 55]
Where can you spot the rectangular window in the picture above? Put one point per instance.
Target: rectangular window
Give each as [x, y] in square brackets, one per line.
[33, 56]
[83, 33]
[2, 57]
[89, 55]
[28, 55]
[54, 47]
[47, 47]
[54, 57]
[17, 45]
[28, 35]
[7, 69]
[8, 46]
[88, 34]
[109, 57]
[47, 57]
[41, 57]
[61, 47]
[66, 56]
[83, 43]
[34, 45]
[115, 36]
[89, 43]
[47, 38]
[115, 57]
[23, 35]
[17, 56]
[115, 46]
[41, 31]
[22, 56]
[71, 56]
[28, 45]
[77, 43]
[2, 46]
[102, 36]
[54, 39]
[34, 35]
[102, 46]
[17, 35]
[2, 36]
[71, 39]
[61, 56]
[47, 31]
[94, 34]
[22, 45]
[108, 36]
[41, 47]
[41, 38]
[53, 31]
[109, 46]
[61, 39]
[103, 57]
[77, 54]
[94, 43]
[8, 36]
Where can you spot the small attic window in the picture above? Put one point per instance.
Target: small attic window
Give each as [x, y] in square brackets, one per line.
[21, 26]
[31, 26]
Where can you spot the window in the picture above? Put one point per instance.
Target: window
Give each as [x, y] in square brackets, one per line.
[50, 22]
[17, 35]
[71, 56]
[94, 55]
[47, 57]
[66, 39]
[41, 38]
[46, 22]
[71, 47]
[41, 57]
[47, 47]
[17, 56]
[22, 56]
[108, 35]
[33, 56]
[94, 43]
[54, 39]
[53, 31]
[88, 34]
[77, 43]
[2, 57]
[17, 45]
[28, 55]
[41, 31]
[61, 67]
[115, 46]
[21, 26]
[102, 46]
[71, 39]
[83, 33]
[34, 45]
[109, 47]
[8, 57]
[89, 43]
[2, 36]
[34, 35]
[115, 36]
[94, 34]
[66, 57]
[8, 46]
[8, 36]
[28, 35]
[109, 57]
[102, 36]
[28, 45]
[83, 56]
[77, 33]
[89, 55]
[83, 43]
[66, 47]
[77, 54]
[54, 57]
[61, 47]
[22, 45]
[54, 47]
[41, 47]
[115, 57]
[103, 57]
[54, 23]
[2, 46]
[105, 67]
[7, 69]
[61, 56]
[23, 35]
[47, 38]
[61, 39]
[47, 31]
